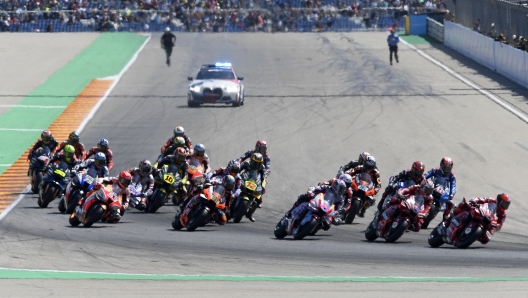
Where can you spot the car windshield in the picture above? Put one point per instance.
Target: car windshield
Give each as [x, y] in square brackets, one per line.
[215, 75]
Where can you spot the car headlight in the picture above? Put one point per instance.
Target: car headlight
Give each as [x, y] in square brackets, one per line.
[195, 89]
[232, 89]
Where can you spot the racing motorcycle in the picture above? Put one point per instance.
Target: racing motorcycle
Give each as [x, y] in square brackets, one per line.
[53, 184]
[38, 163]
[440, 197]
[362, 189]
[465, 228]
[166, 184]
[80, 184]
[102, 204]
[250, 192]
[395, 220]
[201, 208]
[306, 219]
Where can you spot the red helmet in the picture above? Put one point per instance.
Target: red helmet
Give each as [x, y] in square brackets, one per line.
[362, 157]
[417, 169]
[46, 137]
[261, 147]
[124, 179]
[446, 164]
[503, 201]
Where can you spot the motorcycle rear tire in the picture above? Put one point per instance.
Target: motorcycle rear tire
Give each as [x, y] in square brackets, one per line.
[280, 231]
[432, 213]
[370, 232]
[94, 215]
[241, 210]
[465, 242]
[435, 239]
[156, 200]
[354, 209]
[61, 207]
[200, 219]
[36, 181]
[48, 196]
[74, 221]
[75, 197]
[304, 230]
[396, 233]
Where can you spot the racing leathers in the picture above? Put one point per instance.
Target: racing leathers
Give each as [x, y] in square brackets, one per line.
[119, 191]
[417, 192]
[447, 180]
[80, 152]
[107, 153]
[222, 173]
[170, 142]
[139, 200]
[267, 161]
[183, 169]
[52, 146]
[203, 160]
[92, 170]
[497, 220]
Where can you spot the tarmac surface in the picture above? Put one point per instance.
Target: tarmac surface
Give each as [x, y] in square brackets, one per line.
[318, 100]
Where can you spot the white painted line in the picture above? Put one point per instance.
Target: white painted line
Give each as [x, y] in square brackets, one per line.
[83, 124]
[468, 82]
[21, 129]
[116, 80]
[5, 164]
[32, 107]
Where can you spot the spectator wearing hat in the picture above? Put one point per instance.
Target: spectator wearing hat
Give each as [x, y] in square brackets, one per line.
[167, 43]
[492, 33]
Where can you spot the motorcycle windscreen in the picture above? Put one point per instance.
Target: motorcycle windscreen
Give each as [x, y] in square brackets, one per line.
[418, 203]
[363, 179]
[194, 165]
[253, 175]
[331, 197]
[440, 181]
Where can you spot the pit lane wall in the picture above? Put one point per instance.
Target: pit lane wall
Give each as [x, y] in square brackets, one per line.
[504, 59]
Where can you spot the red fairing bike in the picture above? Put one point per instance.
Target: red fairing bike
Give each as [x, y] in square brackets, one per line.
[465, 228]
[395, 220]
[102, 204]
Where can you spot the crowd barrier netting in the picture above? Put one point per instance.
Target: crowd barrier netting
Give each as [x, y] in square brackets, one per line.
[506, 60]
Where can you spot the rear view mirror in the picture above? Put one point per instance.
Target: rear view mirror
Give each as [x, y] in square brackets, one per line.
[240, 78]
[190, 78]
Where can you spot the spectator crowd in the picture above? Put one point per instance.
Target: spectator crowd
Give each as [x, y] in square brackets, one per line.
[209, 15]
[518, 42]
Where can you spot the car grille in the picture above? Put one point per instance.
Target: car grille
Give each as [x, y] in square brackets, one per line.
[216, 93]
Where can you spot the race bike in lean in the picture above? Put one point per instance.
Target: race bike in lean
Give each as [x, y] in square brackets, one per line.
[362, 190]
[99, 205]
[53, 183]
[166, 183]
[395, 220]
[38, 163]
[465, 228]
[250, 193]
[306, 219]
[440, 197]
[80, 184]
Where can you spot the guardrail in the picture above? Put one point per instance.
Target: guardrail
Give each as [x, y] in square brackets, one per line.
[504, 59]
[435, 29]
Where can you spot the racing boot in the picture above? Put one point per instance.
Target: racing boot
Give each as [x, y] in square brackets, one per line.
[249, 215]
[362, 212]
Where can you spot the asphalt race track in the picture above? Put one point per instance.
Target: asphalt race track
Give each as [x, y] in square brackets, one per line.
[318, 100]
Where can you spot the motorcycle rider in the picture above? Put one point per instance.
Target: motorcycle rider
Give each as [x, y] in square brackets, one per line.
[354, 163]
[142, 175]
[95, 167]
[500, 204]
[232, 169]
[261, 147]
[256, 163]
[178, 132]
[103, 146]
[425, 190]
[445, 173]
[369, 167]
[74, 140]
[178, 160]
[46, 139]
[199, 153]
[67, 155]
[415, 173]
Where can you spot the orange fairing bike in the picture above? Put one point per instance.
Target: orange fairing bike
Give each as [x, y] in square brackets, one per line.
[362, 192]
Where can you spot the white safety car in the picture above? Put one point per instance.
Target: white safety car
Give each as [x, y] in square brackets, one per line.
[215, 83]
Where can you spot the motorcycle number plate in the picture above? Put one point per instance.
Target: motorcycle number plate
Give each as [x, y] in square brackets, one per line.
[59, 172]
[363, 188]
[216, 198]
[169, 178]
[251, 185]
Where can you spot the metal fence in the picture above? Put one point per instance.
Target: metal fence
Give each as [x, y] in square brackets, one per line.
[508, 17]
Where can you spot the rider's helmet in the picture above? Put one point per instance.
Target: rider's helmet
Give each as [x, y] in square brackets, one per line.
[74, 138]
[102, 145]
[124, 179]
[256, 160]
[233, 167]
[199, 150]
[427, 186]
[417, 169]
[181, 155]
[229, 182]
[446, 164]
[325, 206]
[347, 179]
[69, 152]
[503, 201]
[339, 187]
[167, 29]
[145, 167]
[370, 163]
[179, 142]
[46, 137]
[362, 157]
[100, 160]
[261, 147]
[179, 131]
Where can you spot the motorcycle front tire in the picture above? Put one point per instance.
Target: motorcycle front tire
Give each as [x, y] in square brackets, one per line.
[74, 221]
[61, 207]
[241, 210]
[432, 213]
[370, 232]
[396, 233]
[156, 200]
[94, 215]
[75, 197]
[280, 230]
[354, 209]
[435, 239]
[48, 196]
[37, 178]
[305, 229]
[199, 219]
[466, 240]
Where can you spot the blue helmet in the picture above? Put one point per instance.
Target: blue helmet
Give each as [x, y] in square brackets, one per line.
[100, 159]
[102, 145]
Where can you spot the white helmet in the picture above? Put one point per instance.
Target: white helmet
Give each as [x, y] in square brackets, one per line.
[167, 29]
